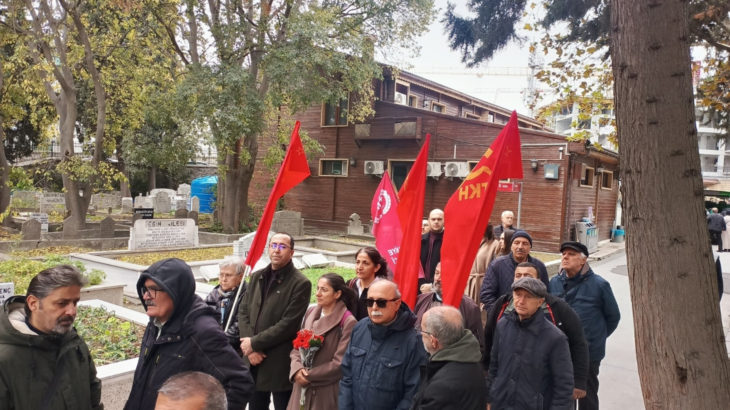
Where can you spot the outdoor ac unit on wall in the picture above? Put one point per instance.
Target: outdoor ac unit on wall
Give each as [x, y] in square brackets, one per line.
[374, 167]
[400, 98]
[433, 169]
[456, 169]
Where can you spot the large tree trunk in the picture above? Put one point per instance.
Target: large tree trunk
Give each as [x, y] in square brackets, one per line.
[152, 178]
[4, 166]
[680, 347]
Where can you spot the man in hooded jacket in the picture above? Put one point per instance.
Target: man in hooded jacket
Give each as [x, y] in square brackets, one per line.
[183, 335]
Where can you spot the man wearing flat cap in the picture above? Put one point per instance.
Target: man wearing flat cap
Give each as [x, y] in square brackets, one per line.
[542, 378]
[592, 299]
[501, 272]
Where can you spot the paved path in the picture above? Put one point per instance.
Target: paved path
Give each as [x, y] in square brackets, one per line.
[619, 378]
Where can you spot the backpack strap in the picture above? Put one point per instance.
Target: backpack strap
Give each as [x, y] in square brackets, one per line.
[501, 311]
[344, 317]
[550, 312]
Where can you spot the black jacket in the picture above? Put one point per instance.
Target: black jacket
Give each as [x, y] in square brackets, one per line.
[191, 340]
[435, 254]
[559, 313]
[222, 302]
[453, 378]
[530, 367]
[500, 276]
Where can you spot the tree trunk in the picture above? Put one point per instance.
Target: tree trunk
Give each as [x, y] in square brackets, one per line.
[680, 347]
[152, 178]
[4, 166]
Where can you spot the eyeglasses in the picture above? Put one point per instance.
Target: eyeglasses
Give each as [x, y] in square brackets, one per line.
[151, 291]
[425, 332]
[380, 302]
[279, 246]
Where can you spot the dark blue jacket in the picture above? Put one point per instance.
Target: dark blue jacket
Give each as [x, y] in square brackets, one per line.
[500, 276]
[592, 299]
[381, 366]
[191, 340]
[530, 367]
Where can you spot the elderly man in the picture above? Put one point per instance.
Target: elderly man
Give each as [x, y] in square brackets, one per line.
[183, 335]
[380, 368]
[500, 273]
[592, 299]
[556, 311]
[431, 247]
[191, 391]
[453, 377]
[542, 378]
[221, 298]
[716, 224]
[270, 315]
[507, 219]
[43, 361]
[469, 310]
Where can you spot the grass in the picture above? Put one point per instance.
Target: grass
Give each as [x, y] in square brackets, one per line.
[313, 275]
[109, 338]
[188, 255]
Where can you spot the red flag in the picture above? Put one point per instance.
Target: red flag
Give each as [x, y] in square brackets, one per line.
[410, 213]
[294, 170]
[386, 225]
[467, 212]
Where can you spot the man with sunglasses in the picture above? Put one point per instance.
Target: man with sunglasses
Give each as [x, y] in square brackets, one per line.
[381, 366]
[269, 317]
[182, 335]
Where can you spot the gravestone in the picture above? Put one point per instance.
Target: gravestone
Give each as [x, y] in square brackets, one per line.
[106, 227]
[195, 204]
[26, 200]
[31, 230]
[7, 289]
[162, 203]
[183, 190]
[181, 213]
[143, 213]
[169, 192]
[138, 200]
[354, 227]
[163, 233]
[180, 203]
[194, 216]
[127, 205]
[243, 245]
[288, 221]
[104, 201]
[43, 219]
[53, 202]
[70, 228]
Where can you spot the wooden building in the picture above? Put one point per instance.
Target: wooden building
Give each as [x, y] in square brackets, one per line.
[563, 181]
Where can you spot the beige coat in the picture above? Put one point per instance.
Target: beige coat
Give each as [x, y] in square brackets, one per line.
[481, 263]
[324, 377]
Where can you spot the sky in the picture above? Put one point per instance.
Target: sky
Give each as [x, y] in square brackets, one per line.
[502, 80]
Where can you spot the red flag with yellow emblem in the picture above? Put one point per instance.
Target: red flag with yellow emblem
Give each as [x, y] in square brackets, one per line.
[410, 213]
[467, 213]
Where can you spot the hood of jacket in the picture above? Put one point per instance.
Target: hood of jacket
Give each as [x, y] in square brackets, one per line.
[175, 277]
[464, 350]
[15, 331]
[404, 320]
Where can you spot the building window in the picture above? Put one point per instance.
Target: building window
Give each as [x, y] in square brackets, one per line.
[333, 167]
[437, 107]
[472, 116]
[399, 171]
[335, 114]
[413, 101]
[490, 117]
[607, 180]
[472, 164]
[587, 175]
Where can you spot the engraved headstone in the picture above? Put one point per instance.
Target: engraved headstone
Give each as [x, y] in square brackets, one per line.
[106, 227]
[183, 190]
[163, 233]
[181, 213]
[127, 205]
[243, 245]
[195, 204]
[7, 289]
[181, 203]
[26, 200]
[53, 202]
[162, 203]
[288, 221]
[70, 228]
[43, 219]
[31, 230]
[354, 227]
[169, 192]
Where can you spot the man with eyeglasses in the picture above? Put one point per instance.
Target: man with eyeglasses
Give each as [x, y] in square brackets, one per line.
[269, 317]
[182, 335]
[381, 366]
[222, 297]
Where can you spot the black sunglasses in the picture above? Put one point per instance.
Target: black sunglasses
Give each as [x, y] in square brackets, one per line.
[380, 302]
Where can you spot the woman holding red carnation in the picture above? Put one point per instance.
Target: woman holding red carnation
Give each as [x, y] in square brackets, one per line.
[332, 319]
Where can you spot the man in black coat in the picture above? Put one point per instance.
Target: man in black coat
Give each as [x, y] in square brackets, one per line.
[183, 335]
[431, 247]
[556, 311]
[716, 224]
[453, 377]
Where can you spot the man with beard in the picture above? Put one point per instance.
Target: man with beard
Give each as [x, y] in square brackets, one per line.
[468, 309]
[43, 361]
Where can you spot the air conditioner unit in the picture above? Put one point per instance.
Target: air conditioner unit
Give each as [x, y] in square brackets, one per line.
[374, 167]
[456, 169]
[400, 98]
[433, 169]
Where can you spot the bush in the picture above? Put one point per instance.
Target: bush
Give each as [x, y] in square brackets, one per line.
[21, 270]
[109, 338]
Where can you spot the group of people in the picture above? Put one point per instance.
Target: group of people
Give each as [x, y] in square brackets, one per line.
[541, 345]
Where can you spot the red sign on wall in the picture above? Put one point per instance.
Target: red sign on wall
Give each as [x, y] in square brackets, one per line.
[509, 187]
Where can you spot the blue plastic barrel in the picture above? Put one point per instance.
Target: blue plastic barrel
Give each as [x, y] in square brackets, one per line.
[204, 188]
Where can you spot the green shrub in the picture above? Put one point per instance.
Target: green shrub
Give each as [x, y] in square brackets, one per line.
[21, 270]
[109, 339]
